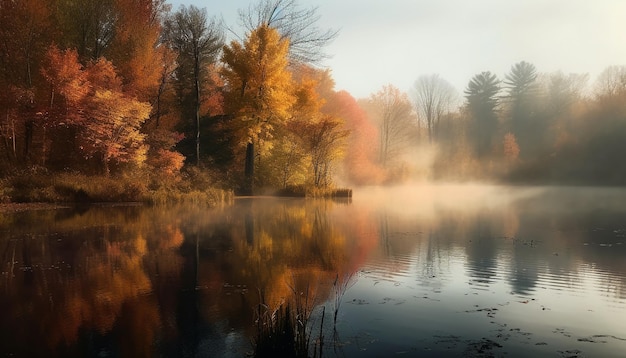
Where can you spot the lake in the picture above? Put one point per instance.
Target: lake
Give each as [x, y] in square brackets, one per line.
[428, 271]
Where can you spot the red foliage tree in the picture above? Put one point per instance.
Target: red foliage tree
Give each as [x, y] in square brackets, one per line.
[360, 161]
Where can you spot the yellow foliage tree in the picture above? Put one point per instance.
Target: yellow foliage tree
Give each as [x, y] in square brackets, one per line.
[258, 90]
[324, 140]
[292, 156]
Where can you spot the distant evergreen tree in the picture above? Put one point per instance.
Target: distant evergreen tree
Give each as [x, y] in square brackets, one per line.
[523, 115]
[481, 95]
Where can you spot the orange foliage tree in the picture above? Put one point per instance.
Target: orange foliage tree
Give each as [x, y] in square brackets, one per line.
[360, 162]
[113, 128]
[134, 47]
[68, 88]
[107, 121]
[511, 149]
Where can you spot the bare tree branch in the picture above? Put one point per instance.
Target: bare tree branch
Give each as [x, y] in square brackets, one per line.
[433, 98]
[298, 25]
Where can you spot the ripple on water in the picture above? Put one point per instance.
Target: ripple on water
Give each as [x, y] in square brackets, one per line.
[396, 266]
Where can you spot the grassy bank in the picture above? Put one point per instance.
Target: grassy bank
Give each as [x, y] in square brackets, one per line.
[191, 186]
[43, 187]
[313, 192]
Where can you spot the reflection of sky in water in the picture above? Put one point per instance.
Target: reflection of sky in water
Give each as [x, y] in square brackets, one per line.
[480, 270]
[446, 313]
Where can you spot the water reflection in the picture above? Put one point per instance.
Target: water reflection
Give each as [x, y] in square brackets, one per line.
[136, 281]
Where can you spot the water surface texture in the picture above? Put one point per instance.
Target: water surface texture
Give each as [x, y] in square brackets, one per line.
[425, 271]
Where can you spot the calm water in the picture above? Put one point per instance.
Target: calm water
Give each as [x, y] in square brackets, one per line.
[428, 271]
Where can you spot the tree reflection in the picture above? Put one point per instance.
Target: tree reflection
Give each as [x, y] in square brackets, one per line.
[146, 281]
[76, 282]
[481, 252]
[274, 251]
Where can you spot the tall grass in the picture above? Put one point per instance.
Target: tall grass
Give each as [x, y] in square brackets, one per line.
[284, 331]
[40, 186]
[313, 192]
[329, 193]
[73, 187]
[287, 330]
[209, 197]
[340, 287]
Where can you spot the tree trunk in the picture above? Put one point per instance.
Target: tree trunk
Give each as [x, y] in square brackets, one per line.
[249, 169]
[28, 137]
[197, 100]
[43, 148]
[105, 163]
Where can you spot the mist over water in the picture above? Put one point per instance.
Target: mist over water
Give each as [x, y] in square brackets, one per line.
[501, 268]
[432, 270]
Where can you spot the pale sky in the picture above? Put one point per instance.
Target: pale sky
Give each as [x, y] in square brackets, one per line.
[395, 41]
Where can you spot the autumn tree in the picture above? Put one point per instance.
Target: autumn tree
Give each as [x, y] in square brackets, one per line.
[510, 147]
[104, 120]
[258, 90]
[68, 87]
[289, 160]
[113, 129]
[319, 135]
[481, 96]
[27, 28]
[162, 135]
[433, 98]
[134, 47]
[197, 40]
[394, 116]
[324, 140]
[167, 70]
[361, 164]
[293, 23]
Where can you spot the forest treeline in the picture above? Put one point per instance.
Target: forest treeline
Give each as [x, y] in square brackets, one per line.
[528, 127]
[157, 98]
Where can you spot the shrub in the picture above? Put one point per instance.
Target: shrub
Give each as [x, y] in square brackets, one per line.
[329, 193]
[5, 192]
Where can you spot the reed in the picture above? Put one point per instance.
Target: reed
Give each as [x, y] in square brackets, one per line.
[210, 197]
[281, 332]
[340, 287]
[286, 330]
[329, 193]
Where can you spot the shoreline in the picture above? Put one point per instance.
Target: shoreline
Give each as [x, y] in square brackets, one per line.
[19, 207]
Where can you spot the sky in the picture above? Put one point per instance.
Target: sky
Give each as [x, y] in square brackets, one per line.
[394, 42]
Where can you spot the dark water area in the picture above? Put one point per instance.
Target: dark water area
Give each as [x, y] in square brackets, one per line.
[428, 271]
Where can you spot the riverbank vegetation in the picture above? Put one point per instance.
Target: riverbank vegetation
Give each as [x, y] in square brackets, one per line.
[133, 100]
[127, 100]
[40, 186]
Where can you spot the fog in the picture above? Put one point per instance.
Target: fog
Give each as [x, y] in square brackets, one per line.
[520, 266]
[526, 127]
